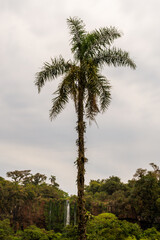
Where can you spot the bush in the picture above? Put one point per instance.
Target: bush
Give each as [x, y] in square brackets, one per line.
[107, 226]
[5, 230]
[151, 234]
[70, 233]
[34, 233]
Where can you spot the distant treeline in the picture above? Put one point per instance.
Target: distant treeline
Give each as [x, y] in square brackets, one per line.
[28, 200]
[136, 201]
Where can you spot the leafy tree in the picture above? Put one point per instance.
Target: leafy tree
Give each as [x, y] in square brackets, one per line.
[53, 181]
[35, 233]
[24, 204]
[151, 234]
[94, 186]
[138, 200]
[111, 185]
[25, 177]
[140, 173]
[144, 198]
[5, 230]
[38, 178]
[107, 226]
[156, 171]
[70, 233]
[83, 83]
[35, 179]
[17, 175]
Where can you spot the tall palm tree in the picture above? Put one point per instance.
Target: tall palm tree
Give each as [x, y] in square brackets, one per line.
[82, 82]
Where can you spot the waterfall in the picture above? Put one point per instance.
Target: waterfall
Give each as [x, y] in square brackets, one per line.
[67, 212]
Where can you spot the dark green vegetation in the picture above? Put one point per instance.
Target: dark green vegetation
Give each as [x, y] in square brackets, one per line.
[105, 226]
[83, 83]
[27, 200]
[31, 209]
[137, 201]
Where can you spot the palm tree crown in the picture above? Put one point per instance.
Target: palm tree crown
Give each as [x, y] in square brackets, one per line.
[90, 52]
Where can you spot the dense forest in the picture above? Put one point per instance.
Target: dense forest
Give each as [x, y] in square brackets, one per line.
[32, 209]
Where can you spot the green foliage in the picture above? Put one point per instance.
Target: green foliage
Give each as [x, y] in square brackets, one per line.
[144, 197]
[38, 178]
[130, 238]
[107, 226]
[25, 177]
[112, 185]
[31, 191]
[17, 175]
[138, 200]
[5, 230]
[70, 233]
[16, 238]
[53, 181]
[34, 233]
[44, 204]
[24, 203]
[54, 214]
[91, 50]
[108, 186]
[151, 234]
[94, 186]
[102, 227]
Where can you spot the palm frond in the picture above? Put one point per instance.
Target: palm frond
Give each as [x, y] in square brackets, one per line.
[77, 31]
[49, 71]
[60, 100]
[71, 79]
[115, 57]
[91, 106]
[91, 92]
[103, 87]
[98, 39]
[98, 96]
[68, 88]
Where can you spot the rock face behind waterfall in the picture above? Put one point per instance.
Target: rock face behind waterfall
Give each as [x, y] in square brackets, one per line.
[42, 205]
[60, 213]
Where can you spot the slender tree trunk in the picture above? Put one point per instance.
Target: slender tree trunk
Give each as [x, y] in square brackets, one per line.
[80, 166]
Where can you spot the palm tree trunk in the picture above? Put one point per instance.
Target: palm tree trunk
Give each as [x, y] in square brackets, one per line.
[80, 166]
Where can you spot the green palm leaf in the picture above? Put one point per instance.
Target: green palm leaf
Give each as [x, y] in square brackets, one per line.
[98, 40]
[60, 100]
[115, 57]
[51, 71]
[103, 87]
[77, 31]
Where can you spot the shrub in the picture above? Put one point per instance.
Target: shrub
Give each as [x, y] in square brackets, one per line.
[5, 230]
[34, 233]
[107, 226]
[151, 234]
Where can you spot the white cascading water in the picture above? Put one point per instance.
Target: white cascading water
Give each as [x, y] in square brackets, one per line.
[67, 213]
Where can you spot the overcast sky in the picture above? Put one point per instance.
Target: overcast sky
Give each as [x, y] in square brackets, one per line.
[128, 133]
